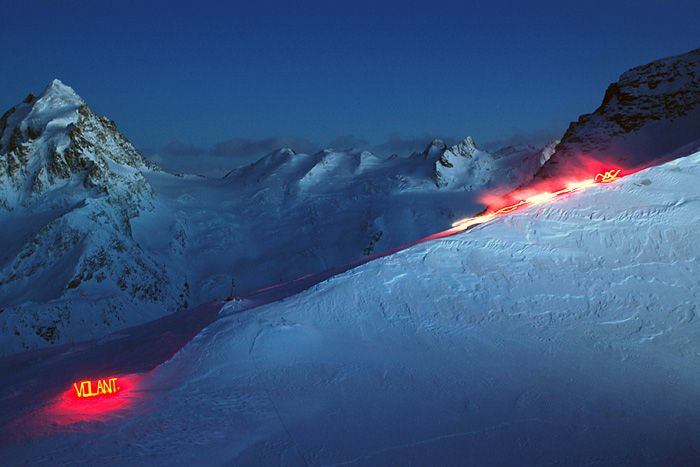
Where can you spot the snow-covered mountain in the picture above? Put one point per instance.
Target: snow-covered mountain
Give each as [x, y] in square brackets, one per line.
[648, 115]
[561, 334]
[291, 214]
[114, 241]
[70, 187]
[53, 140]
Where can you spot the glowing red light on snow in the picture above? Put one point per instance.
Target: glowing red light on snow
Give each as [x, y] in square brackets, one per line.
[101, 387]
[603, 177]
[608, 176]
[510, 208]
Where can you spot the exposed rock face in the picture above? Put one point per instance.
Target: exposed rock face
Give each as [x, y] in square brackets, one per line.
[55, 139]
[70, 186]
[652, 111]
[464, 166]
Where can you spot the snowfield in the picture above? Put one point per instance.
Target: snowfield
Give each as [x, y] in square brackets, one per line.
[563, 334]
[121, 242]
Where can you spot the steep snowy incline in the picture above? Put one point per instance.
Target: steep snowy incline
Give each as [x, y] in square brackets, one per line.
[565, 333]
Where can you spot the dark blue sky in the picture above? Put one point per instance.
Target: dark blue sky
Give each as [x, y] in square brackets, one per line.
[219, 83]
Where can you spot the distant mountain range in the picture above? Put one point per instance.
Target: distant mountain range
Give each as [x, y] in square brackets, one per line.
[96, 238]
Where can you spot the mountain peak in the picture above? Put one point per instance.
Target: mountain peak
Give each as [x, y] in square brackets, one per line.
[464, 166]
[432, 150]
[56, 95]
[57, 86]
[47, 141]
[55, 109]
[465, 148]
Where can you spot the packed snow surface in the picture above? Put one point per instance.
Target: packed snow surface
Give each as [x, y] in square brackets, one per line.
[562, 334]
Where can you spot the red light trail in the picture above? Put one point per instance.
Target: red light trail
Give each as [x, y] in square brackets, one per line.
[603, 177]
[108, 386]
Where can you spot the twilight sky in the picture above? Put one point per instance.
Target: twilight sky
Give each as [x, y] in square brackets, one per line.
[209, 86]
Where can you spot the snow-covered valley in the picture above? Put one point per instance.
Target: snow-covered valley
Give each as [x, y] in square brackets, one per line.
[120, 242]
[565, 333]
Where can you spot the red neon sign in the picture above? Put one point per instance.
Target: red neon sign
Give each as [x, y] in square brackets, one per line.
[603, 177]
[102, 387]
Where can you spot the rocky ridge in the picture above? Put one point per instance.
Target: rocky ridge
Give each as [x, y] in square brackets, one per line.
[650, 112]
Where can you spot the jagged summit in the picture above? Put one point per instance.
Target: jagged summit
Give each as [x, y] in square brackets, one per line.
[467, 146]
[437, 146]
[58, 105]
[464, 166]
[51, 140]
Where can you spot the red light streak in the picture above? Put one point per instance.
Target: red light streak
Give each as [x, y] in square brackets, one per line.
[102, 387]
[510, 208]
[603, 177]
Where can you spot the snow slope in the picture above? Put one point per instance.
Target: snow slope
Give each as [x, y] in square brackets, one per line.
[113, 241]
[116, 242]
[565, 334]
[292, 214]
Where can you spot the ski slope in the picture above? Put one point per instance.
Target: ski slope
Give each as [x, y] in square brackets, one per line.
[560, 334]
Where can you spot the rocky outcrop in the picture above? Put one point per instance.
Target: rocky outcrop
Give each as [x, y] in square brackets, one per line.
[652, 111]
